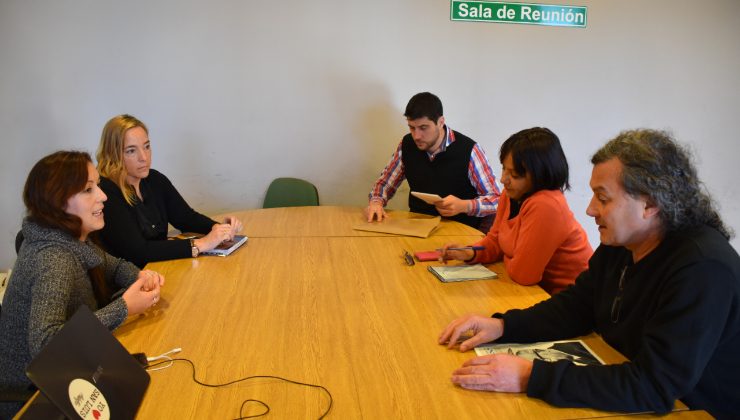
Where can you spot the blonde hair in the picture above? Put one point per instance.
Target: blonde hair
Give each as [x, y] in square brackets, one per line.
[110, 152]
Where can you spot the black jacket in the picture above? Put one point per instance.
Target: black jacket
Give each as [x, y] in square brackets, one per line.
[679, 325]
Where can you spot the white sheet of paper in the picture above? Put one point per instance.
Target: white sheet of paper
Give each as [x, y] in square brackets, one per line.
[428, 198]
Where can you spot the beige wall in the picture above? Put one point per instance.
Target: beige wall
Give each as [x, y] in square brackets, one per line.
[238, 92]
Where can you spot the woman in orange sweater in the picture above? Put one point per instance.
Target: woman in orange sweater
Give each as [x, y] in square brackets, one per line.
[534, 232]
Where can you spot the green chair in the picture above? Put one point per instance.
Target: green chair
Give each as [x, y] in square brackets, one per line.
[290, 192]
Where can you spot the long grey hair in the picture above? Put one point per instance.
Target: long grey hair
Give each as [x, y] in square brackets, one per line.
[656, 166]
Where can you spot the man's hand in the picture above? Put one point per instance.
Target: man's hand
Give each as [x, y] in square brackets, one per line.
[484, 330]
[451, 205]
[494, 372]
[375, 210]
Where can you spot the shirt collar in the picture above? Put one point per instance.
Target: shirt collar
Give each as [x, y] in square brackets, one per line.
[449, 139]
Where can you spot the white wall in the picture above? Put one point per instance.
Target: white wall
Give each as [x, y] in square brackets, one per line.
[237, 92]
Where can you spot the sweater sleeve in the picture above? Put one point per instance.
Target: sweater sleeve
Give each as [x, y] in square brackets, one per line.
[53, 291]
[544, 226]
[122, 274]
[678, 340]
[123, 238]
[118, 271]
[50, 293]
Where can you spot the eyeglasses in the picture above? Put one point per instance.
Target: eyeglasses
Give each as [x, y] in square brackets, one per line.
[408, 258]
[617, 303]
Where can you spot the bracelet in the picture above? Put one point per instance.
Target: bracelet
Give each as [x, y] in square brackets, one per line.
[194, 251]
[475, 254]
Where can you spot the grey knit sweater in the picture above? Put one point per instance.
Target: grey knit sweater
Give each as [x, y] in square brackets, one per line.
[49, 282]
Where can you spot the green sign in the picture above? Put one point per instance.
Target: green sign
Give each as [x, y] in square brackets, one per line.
[526, 13]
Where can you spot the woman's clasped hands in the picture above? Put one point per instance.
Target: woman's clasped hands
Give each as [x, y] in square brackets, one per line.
[144, 292]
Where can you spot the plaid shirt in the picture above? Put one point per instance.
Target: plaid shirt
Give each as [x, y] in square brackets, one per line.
[479, 172]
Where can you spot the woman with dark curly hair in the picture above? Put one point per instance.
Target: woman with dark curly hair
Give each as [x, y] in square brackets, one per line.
[59, 269]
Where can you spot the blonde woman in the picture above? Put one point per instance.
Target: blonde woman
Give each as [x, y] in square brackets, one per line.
[142, 201]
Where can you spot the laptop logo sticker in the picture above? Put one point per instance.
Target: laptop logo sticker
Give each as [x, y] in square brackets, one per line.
[87, 400]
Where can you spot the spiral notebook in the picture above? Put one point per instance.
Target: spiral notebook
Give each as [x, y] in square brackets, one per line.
[454, 273]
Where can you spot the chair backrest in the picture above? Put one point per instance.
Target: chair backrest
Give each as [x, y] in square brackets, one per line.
[290, 192]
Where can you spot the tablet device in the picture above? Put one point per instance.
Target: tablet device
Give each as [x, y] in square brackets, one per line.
[225, 248]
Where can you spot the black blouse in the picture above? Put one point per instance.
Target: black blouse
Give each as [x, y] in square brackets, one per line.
[138, 233]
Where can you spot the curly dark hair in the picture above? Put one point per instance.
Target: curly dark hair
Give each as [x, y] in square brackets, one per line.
[656, 166]
[51, 182]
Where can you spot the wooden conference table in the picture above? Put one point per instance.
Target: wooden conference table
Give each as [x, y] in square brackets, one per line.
[310, 299]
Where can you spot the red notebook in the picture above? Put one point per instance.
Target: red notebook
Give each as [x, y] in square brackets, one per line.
[427, 255]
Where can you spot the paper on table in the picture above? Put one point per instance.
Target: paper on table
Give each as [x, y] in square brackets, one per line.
[550, 351]
[426, 197]
[421, 228]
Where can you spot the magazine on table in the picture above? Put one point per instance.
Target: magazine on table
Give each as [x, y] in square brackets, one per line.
[549, 351]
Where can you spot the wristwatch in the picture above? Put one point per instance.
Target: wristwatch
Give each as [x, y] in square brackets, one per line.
[194, 248]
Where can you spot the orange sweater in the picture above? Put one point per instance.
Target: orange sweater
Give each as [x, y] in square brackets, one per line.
[543, 244]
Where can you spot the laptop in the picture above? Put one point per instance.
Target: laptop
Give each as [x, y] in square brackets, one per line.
[86, 373]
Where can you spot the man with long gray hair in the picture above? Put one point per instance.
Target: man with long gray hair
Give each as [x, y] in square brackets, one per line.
[663, 289]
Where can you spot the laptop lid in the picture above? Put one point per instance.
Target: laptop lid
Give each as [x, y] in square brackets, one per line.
[87, 373]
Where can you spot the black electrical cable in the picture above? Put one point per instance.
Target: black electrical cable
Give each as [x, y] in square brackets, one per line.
[241, 409]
